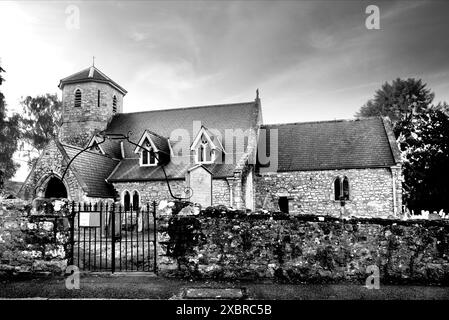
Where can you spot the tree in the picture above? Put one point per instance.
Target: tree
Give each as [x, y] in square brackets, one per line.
[39, 122]
[399, 100]
[422, 132]
[9, 135]
[424, 142]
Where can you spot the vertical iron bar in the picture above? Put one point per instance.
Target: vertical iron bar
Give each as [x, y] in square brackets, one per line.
[148, 237]
[113, 240]
[95, 248]
[132, 227]
[137, 239]
[90, 250]
[142, 213]
[120, 226]
[84, 247]
[154, 237]
[72, 233]
[79, 236]
[101, 229]
[126, 240]
[107, 231]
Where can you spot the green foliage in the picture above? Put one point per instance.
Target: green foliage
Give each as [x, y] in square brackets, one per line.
[39, 123]
[9, 135]
[424, 142]
[422, 131]
[399, 100]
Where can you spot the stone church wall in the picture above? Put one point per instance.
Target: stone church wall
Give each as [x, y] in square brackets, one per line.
[50, 164]
[158, 190]
[79, 123]
[312, 192]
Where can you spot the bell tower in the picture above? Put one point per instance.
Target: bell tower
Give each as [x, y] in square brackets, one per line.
[89, 101]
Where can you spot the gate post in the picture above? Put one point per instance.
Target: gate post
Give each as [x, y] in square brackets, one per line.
[154, 237]
[113, 239]
[72, 233]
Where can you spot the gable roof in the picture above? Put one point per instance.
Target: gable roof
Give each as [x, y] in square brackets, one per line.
[159, 142]
[92, 169]
[129, 170]
[91, 74]
[164, 122]
[338, 144]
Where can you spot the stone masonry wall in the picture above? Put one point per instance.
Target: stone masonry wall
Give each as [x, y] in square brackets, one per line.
[312, 192]
[79, 123]
[220, 192]
[49, 164]
[31, 244]
[228, 245]
[157, 190]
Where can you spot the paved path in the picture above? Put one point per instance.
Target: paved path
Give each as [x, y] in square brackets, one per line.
[140, 286]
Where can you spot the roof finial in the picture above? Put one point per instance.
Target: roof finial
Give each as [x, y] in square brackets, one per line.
[257, 93]
[93, 61]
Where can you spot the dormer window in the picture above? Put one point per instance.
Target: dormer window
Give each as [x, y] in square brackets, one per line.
[147, 155]
[94, 145]
[204, 151]
[153, 149]
[77, 98]
[206, 147]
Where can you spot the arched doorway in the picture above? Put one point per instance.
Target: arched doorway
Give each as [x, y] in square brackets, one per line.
[55, 188]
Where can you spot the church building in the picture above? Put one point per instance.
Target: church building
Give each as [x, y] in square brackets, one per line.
[214, 155]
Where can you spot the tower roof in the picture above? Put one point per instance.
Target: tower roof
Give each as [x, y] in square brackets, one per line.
[91, 74]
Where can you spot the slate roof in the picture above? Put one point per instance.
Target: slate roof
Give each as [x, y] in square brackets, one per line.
[90, 74]
[339, 144]
[161, 123]
[93, 168]
[164, 122]
[129, 170]
[160, 142]
[111, 148]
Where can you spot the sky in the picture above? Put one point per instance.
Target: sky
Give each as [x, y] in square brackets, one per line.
[310, 60]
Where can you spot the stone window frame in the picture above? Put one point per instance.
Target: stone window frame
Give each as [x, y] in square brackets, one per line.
[341, 177]
[77, 104]
[144, 153]
[146, 138]
[198, 144]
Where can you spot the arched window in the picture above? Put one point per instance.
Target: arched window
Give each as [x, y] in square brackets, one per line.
[346, 188]
[114, 104]
[204, 151]
[147, 158]
[78, 98]
[98, 98]
[341, 188]
[136, 200]
[126, 200]
[337, 189]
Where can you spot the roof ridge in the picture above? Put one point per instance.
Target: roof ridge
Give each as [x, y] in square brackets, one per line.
[190, 108]
[89, 151]
[156, 134]
[320, 121]
[74, 74]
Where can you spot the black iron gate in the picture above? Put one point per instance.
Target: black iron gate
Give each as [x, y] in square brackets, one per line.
[108, 238]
